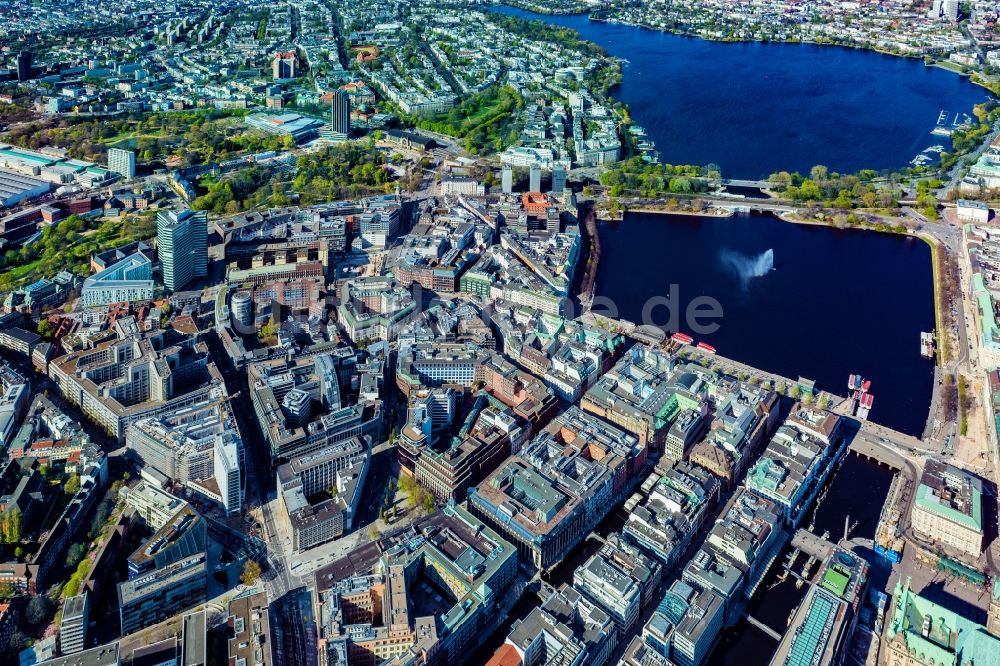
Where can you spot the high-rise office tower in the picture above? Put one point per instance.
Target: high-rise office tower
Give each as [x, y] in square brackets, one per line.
[535, 178]
[283, 65]
[181, 239]
[340, 112]
[24, 66]
[122, 162]
[73, 626]
[558, 179]
[949, 10]
[507, 179]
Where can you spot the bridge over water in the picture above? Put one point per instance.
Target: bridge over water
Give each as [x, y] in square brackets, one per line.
[736, 182]
[763, 627]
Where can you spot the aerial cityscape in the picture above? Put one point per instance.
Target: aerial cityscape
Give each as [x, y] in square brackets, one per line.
[500, 333]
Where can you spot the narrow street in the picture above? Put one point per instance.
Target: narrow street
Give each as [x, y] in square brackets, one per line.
[261, 496]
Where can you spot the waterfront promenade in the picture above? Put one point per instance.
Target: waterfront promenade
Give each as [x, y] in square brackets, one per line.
[726, 365]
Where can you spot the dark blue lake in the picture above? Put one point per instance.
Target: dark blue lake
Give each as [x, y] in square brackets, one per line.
[755, 108]
[837, 302]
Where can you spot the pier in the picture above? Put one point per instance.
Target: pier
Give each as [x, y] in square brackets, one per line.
[812, 545]
[756, 375]
[819, 628]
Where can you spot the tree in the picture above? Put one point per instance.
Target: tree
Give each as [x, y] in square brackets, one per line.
[266, 331]
[374, 533]
[780, 181]
[44, 328]
[72, 586]
[38, 611]
[809, 191]
[428, 503]
[10, 526]
[408, 484]
[101, 516]
[251, 572]
[72, 486]
[75, 554]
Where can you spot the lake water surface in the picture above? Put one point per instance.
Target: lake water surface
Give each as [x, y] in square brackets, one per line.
[754, 108]
[836, 302]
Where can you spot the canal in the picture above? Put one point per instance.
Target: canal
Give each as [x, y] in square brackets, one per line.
[858, 490]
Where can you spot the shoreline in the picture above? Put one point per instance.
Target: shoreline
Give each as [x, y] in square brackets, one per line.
[940, 333]
[932, 243]
[588, 285]
[789, 218]
[975, 77]
[589, 14]
[703, 213]
[581, 10]
[709, 38]
[783, 216]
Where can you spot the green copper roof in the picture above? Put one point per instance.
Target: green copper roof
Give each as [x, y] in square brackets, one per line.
[987, 319]
[958, 569]
[951, 639]
[927, 500]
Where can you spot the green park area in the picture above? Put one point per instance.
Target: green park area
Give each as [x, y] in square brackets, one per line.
[337, 172]
[486, 121]
[191, 137]
[68, 245]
